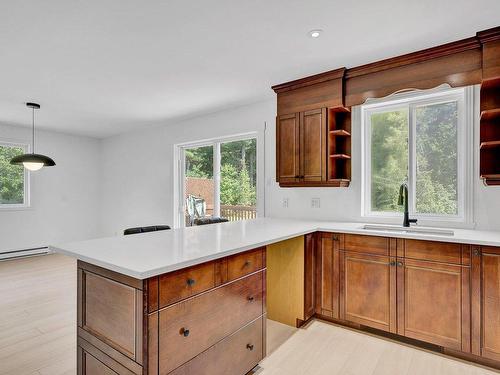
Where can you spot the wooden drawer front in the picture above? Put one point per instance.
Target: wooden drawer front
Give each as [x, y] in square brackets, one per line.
[366, 244]
[433, 251]
[243, 264]
[110, 313]
[235, 355]
[188, 328]
[91, 361]
[178, 285]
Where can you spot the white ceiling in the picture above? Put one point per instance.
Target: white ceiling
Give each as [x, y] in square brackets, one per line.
[103, 67]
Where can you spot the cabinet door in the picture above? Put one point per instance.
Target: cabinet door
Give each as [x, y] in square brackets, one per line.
[368, 290]
[327, 275]
[313, 133]
[490, 303]
[287, 148]
[309, 275]
[434, 303]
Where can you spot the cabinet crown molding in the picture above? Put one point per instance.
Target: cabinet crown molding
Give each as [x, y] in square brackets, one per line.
[489, 35]
[310, 80]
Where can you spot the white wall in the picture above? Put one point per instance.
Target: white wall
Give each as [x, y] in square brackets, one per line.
[139, 180]
[64, 199]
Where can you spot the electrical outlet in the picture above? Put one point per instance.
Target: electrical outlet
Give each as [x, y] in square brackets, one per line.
[285, 202]
[315, 202]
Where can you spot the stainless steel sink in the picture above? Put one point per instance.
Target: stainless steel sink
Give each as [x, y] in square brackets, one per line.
[415, 230]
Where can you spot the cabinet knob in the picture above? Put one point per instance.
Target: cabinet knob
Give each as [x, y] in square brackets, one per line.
[392, 263]
[250, 347]
[190, 282]
[336, 237]
[399, 264]
[250, 298]
[184, 332]
[476, 252]
[247, 263]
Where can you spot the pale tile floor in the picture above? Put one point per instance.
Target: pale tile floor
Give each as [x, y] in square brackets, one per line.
[38, 334]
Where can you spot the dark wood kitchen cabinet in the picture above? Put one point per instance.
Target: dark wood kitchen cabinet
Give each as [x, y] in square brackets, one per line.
[327, 275]
[368, 290]
[313, 132]
[206, 319]
[486, 302]
[301, 147]
[434, 302]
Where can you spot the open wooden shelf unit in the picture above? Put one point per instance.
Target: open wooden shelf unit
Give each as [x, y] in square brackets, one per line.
[339, 145]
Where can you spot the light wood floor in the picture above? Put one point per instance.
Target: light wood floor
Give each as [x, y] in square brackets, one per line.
[38, 334]
[38, 316]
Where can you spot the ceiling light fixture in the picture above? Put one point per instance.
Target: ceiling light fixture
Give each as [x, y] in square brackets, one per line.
[315, 33]
[33, 162]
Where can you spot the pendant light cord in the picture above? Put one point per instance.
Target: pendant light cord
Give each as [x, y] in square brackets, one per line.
[33, 129]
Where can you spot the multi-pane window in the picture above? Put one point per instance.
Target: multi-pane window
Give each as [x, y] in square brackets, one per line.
[424, 140]
[13, 178]
[218, 179]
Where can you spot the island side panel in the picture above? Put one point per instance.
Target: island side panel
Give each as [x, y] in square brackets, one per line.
[111, 320]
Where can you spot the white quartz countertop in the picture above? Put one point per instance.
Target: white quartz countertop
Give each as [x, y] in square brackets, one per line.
[150, 254]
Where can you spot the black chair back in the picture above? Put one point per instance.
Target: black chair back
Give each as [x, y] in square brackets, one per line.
[150, 228]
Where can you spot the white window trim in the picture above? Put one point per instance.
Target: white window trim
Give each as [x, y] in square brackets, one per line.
[465, 144]
[26, 194]
[179, 172]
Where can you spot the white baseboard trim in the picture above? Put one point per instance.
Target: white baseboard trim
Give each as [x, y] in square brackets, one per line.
[22, 253]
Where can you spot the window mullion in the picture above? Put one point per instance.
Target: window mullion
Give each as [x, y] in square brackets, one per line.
[216, 166]
[412, 159]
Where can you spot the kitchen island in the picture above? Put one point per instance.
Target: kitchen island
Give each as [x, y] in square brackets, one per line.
[195, 300]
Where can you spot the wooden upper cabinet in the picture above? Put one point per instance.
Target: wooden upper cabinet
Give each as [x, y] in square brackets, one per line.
[313, 136]
[288, 148]
[434, 303]
[368, 290]
[301, 147]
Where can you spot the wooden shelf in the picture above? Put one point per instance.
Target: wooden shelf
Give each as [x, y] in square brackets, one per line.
[340, 133]
[340, 156]
[491, 176]
[490, 144]
[490, 114]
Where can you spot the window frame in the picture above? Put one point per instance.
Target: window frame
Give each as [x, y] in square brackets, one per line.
[180, 204]
[26, 182]
[412, 100]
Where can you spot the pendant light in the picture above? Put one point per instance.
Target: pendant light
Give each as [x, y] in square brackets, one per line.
[33, 162]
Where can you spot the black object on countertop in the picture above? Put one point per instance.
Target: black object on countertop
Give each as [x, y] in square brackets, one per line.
[150, 228]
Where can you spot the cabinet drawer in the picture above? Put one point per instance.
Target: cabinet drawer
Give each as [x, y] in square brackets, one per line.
[189, 327]
[435, 251]
[178, 285]
[243, 264]
[366, 244]
[235, 355]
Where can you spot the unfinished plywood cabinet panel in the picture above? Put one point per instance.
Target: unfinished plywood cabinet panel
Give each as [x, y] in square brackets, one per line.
[285, 281]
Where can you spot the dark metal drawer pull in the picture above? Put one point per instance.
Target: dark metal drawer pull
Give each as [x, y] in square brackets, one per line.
[190, 282]
[250, 298]
[184, 332]
[250, 347]
[247, 263]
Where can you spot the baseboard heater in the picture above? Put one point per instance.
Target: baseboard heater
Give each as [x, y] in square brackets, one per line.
[21, 253]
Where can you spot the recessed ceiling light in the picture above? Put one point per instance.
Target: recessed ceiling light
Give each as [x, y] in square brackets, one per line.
[315, 33]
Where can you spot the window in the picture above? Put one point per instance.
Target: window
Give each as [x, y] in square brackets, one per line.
[424, 139]
[13, 178]
[218, 179]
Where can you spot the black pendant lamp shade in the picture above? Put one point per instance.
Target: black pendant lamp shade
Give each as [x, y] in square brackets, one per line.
[32, 161]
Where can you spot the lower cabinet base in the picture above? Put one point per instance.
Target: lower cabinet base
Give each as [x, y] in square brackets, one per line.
[417, 343]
